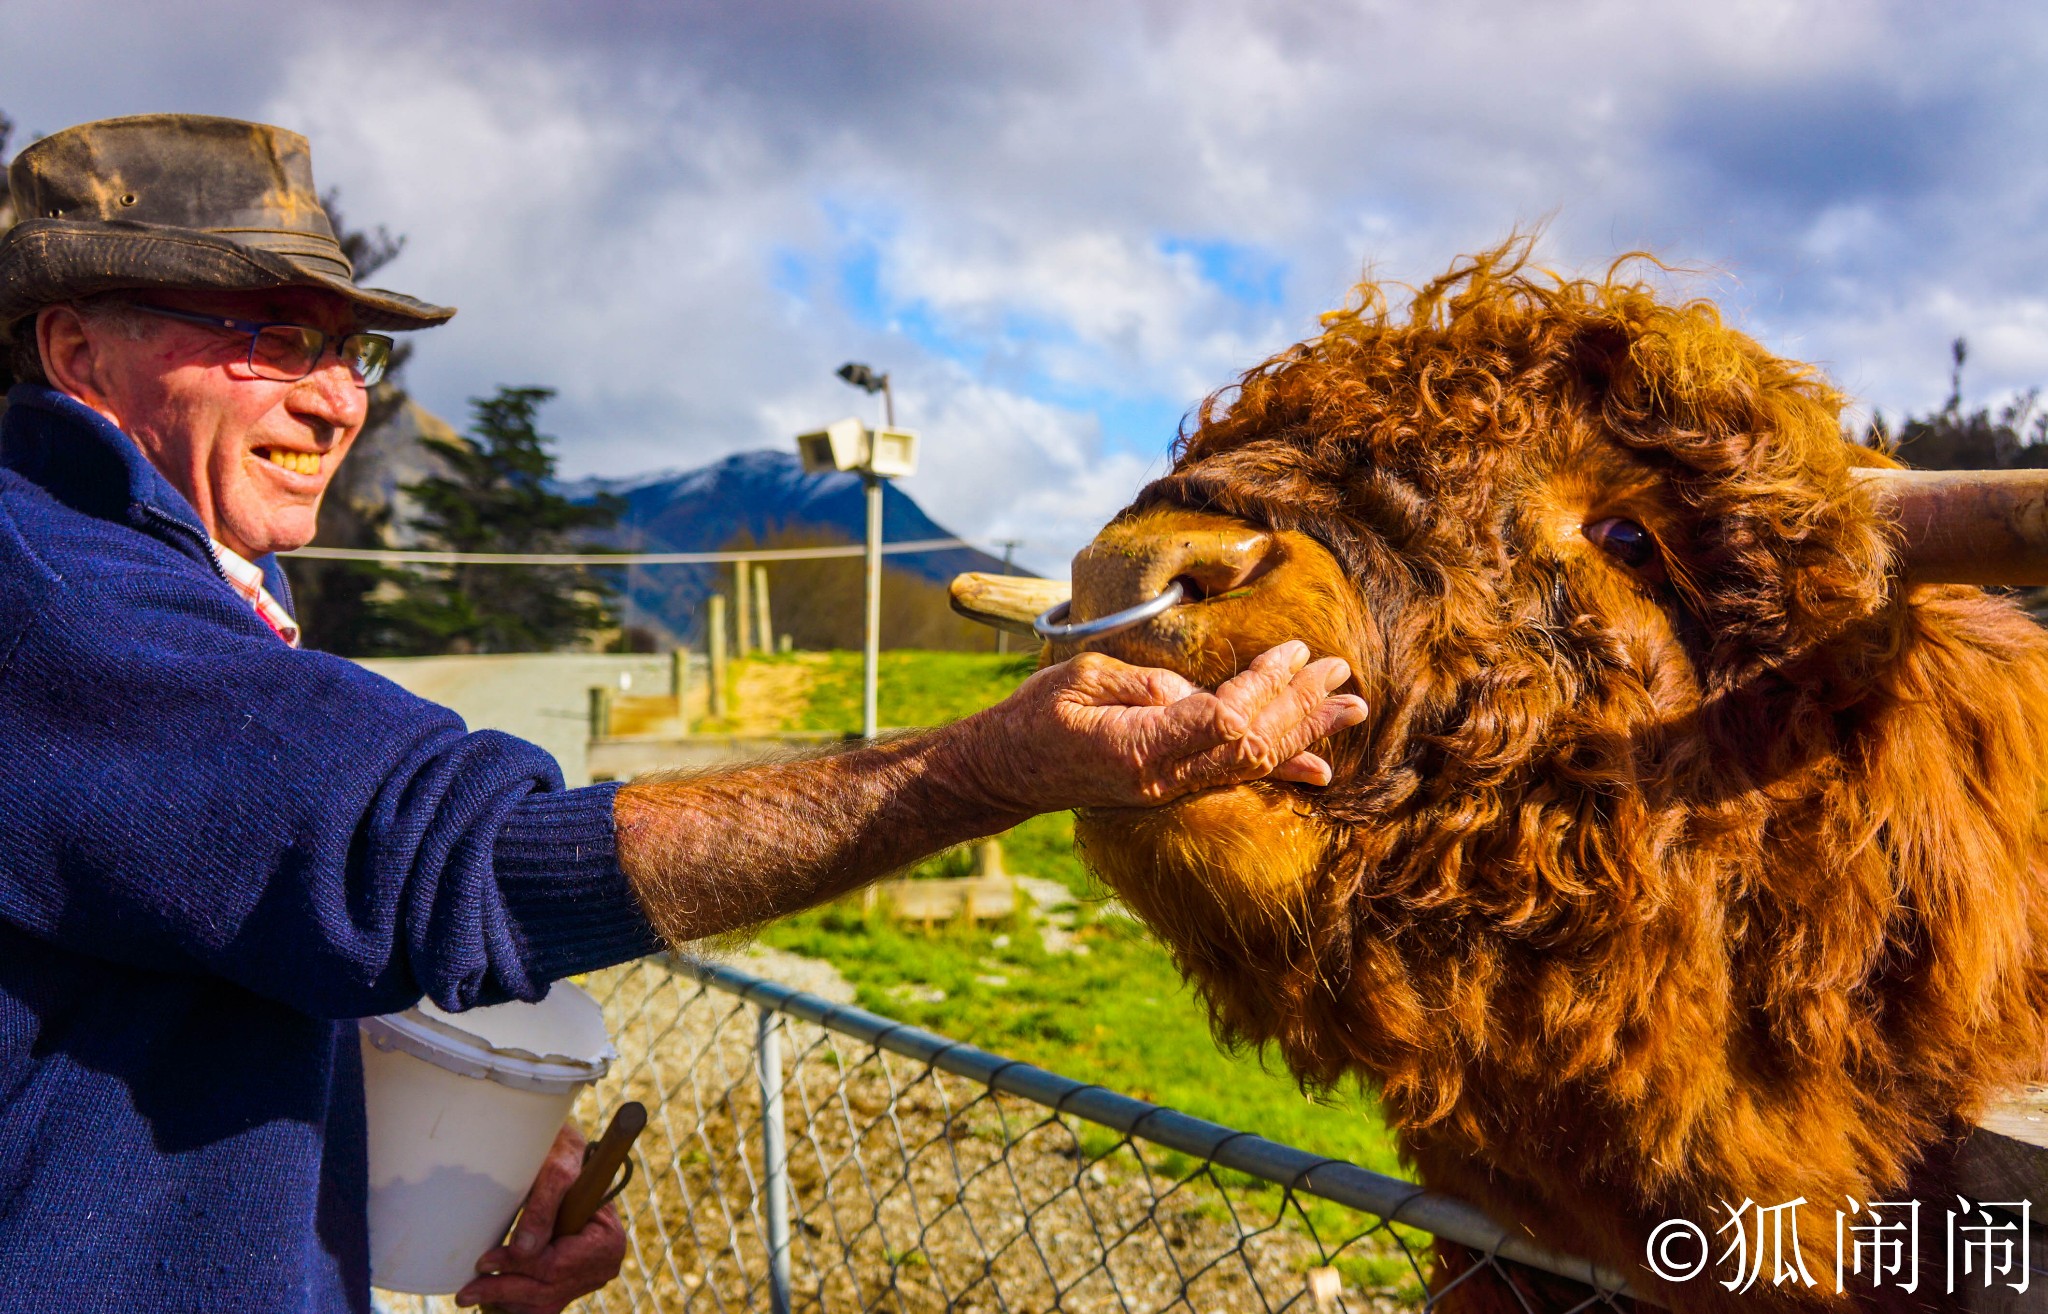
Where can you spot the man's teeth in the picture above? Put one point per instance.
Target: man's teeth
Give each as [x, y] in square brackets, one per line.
[297, 462]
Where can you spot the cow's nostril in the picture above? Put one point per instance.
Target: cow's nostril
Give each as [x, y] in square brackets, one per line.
[1212, 570]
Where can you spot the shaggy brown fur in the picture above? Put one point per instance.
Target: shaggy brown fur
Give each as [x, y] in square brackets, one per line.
[1643, 889]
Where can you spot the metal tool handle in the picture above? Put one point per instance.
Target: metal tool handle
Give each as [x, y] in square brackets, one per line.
[1052, 623]
[593, 1186]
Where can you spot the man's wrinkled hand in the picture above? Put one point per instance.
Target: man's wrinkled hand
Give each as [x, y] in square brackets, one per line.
[1097, 732]
[534, 1274]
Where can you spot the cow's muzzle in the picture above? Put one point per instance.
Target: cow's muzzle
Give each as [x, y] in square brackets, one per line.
[1133, 565]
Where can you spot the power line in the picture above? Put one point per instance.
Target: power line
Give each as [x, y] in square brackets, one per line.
[400, 556]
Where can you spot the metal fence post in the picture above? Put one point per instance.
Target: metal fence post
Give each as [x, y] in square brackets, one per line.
[774, 1158]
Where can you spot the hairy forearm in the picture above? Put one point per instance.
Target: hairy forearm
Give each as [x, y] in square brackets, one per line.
[727, 850]
[722, 851]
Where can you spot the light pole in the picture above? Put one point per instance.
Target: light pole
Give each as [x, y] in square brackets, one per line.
[860, 376]
[875, 455]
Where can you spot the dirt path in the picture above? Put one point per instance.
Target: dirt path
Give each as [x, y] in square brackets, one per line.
[769, 698]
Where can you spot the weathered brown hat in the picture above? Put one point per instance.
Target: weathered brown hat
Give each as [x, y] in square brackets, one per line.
[177, 201]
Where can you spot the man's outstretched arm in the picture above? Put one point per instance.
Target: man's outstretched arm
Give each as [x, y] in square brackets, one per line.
[732, 849]
[724, 851]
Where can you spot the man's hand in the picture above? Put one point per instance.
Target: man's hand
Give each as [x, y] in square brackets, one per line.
[713, 852]
[536, 1275]
[1096, 732]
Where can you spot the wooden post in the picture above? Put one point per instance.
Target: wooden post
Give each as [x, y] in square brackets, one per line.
[600, 711]
[742, 610]
[762, 628]
[679, 685]
[714, 646]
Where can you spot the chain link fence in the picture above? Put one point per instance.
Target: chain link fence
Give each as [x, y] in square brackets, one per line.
[803, 1154]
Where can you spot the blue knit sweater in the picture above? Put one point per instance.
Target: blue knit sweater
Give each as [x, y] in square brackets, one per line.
[213, 851]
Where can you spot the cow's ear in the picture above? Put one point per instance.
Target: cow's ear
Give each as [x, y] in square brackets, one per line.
[1599, 356]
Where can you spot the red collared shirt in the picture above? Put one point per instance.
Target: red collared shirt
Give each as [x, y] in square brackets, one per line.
[248, 581]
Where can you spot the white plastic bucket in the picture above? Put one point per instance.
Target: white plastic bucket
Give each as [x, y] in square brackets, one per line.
[462, 1109]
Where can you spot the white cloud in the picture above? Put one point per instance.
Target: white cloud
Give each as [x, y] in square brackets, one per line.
[1018, 469]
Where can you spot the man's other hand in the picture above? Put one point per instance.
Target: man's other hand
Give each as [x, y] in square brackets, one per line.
[535, 1274]
[1097, 732]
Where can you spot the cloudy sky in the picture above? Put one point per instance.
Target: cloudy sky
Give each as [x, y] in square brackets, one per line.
[1059, 224]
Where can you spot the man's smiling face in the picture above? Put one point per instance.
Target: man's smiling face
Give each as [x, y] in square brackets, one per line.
[252, 455]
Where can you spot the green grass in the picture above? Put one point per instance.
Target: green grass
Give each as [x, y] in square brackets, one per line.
[1118, 1014]
[911, 688]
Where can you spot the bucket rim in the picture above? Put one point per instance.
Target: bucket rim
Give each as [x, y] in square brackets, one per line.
[453, 1050]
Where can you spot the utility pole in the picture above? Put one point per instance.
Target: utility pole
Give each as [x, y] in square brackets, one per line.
[1009, 546]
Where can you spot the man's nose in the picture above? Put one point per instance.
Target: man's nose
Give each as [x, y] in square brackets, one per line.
[331, 395]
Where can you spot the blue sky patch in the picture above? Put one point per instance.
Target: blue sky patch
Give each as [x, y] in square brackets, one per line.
[791, 272]
[1241, 271]
[1006, 347]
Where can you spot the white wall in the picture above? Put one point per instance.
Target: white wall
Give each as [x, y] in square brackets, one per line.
[542, 697]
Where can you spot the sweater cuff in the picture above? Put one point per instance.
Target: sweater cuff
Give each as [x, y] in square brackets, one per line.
[557, 864]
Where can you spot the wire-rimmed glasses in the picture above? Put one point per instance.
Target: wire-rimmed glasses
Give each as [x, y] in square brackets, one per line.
[289, 352]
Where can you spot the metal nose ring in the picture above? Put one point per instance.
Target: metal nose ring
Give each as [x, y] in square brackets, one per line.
[1051, 623]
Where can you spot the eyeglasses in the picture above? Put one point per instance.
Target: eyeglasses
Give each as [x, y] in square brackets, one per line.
[289, 352]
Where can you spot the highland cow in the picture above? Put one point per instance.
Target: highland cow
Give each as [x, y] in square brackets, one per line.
[1692, 852]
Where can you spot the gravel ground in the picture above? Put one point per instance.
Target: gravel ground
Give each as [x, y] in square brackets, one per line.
[914, 1190]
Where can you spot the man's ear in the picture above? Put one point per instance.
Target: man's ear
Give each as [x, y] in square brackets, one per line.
[71, 360]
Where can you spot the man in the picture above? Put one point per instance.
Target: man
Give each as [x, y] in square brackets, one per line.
[216, 849]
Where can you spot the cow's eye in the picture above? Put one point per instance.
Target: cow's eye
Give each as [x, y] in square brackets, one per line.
[1624, 540]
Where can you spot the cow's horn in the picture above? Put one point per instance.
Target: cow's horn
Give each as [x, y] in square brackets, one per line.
[1008, 602]
[1968, 526]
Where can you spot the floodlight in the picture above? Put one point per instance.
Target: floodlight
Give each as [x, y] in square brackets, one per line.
[841, 445]
[892, 453]
[863, 376]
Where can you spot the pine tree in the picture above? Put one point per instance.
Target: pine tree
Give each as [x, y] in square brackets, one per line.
[2015, 436]
[498, 498]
